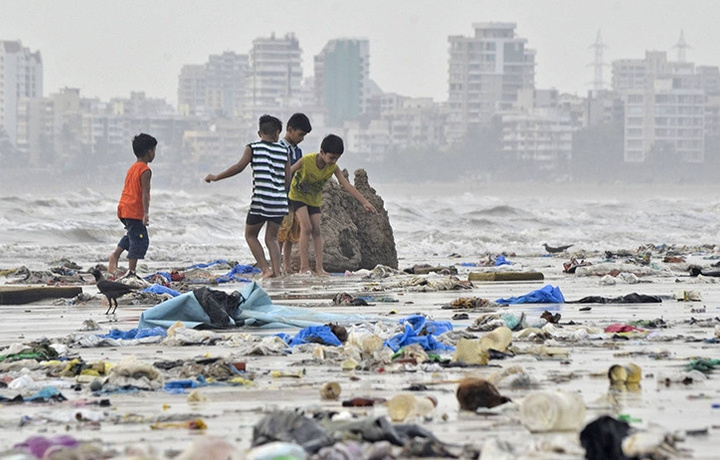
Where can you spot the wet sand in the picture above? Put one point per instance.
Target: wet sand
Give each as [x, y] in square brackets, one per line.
[231, 411]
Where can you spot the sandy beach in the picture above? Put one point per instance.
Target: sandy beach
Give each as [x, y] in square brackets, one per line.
[685, 413]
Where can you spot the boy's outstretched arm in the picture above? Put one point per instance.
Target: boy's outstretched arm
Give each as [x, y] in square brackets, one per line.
[237, 168]
[353, 191]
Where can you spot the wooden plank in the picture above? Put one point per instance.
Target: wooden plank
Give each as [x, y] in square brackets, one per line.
[19, 295]
[505, 276]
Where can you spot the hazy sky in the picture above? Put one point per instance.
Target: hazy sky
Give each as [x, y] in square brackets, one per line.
[109, 48]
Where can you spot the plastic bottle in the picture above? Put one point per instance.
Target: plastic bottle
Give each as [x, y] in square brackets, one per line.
[405, 406]
[552, 411]
[623, 374]
[330, 390]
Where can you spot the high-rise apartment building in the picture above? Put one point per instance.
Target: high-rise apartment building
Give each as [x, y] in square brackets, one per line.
[21, 76]
[664, 107]
[486, 71]
[217, 88]
[191, 90]
[275, 76]
[342, 79]
[226, 80]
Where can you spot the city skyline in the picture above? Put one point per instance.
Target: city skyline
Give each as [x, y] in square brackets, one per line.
[110, 49]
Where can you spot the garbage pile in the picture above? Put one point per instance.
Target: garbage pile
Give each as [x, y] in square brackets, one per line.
[377, 369]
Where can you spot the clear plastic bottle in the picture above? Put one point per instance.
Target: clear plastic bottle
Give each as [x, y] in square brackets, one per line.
[552, 411]
[406, 406]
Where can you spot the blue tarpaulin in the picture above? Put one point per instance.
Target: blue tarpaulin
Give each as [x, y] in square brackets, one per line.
[501, 260]
[209, 264]
[546, 294]
[419, 329]
[136, 333]
[312, 334]
[255, 309]
[159, 289]
[235, 272]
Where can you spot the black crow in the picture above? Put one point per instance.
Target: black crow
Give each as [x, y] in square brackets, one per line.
[556, 250]
[111, 289]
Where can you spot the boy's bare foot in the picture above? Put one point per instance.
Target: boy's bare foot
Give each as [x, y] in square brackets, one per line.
[267, 274]
[322, 273]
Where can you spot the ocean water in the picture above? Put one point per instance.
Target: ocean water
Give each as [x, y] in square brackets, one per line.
[191, 226]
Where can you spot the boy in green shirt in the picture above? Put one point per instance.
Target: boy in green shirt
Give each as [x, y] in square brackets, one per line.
[309, 177]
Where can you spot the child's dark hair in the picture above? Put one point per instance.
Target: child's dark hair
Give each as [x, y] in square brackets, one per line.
[299, 121]
[142, 143]
[269, 125]
[332, 144]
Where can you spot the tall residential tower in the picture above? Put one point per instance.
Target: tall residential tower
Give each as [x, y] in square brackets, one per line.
[342, 79]
[486, 71]
[21, 76]
[275, 74]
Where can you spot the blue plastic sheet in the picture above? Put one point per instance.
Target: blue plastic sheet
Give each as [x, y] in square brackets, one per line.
[255, 309]
[179, 386]
[236, 271]
[135, 333]
[419, 329]
[546, 294]
[46, 394]
[500, 260]
[312, 334]
[209, 264]
[159, 289]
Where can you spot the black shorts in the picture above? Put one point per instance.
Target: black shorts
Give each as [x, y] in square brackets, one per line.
[295, 205]
[136, 240]
[255, 219]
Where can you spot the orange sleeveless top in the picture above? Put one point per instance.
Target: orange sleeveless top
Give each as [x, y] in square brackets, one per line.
[131, 205]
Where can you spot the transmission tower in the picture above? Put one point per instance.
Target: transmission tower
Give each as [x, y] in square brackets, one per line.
[598, 63]
[682, 47]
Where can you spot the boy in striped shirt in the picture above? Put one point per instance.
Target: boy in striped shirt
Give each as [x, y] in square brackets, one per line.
[271, 173]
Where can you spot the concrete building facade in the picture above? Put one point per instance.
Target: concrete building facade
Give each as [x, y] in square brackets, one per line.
[541, 137]
[664, 108]
[21, 76]
[275, 71]
[342, 79]
[486, 71]
[216, 88]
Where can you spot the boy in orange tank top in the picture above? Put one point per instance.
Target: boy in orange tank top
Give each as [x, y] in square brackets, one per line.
[134, 207]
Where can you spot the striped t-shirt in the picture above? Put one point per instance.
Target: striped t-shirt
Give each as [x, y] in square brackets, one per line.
[269, 198]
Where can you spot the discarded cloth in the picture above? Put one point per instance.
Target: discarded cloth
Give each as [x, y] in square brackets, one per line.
[546, 294]
[38, 445]
[201, 307]
[629, 298]
[602, 439]
[290, 426]
[46, 394]
[619, 328]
